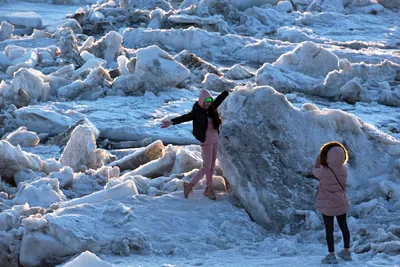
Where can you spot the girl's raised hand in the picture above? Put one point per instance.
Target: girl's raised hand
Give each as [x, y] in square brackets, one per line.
[166, 124]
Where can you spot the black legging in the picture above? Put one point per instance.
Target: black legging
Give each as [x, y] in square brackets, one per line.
[342, 221]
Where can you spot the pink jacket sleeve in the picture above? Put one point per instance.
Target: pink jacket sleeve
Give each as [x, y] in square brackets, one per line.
[316, 172]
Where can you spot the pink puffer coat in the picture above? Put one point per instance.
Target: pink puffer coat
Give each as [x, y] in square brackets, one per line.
[332, 200]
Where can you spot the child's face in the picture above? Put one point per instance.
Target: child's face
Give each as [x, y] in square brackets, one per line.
[207, 105]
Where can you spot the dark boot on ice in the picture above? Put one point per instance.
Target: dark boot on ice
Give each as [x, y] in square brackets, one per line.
[187, 188]
[209, 193]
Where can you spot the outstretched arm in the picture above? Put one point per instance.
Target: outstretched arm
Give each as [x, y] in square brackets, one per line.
[183, 118]
[177, 120]
[221, 97]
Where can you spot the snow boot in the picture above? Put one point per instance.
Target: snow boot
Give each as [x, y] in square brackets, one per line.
[209, 193]
[345, 255]
[187, 188]
[330, 259]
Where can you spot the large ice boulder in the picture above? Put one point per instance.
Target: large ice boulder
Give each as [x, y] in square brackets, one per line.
[96, 17]
[258, 21]
[309, 59]
[187, 159]
[6, 30]
[217, 84]
[295, 34]
[65, 177]
[126, 66]
[23, 137]
[11, 233]
[267, 151]
[364, 7]
[286, 81]
[26, 59]
[108, 47]
[11, 218]
[32, 84]
[151, 152]
[157, 18]
[196, 64]
[44, 119]
[69, 46]
[238, 72]
[14, 51]
[350, 92]
[157, 67]
[65, 23]
[62, 138]
[284, 6]
[141, 183]
[91, 62]
[4, 61]
[80, 151]
[13, 159]
[390, 98]
[130, 85]
[94, 86]
[43, 193]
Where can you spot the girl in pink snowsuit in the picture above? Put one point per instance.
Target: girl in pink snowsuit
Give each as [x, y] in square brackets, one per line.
[332, 200]
[206, 123]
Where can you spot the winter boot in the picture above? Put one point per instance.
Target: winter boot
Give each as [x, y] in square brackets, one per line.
[209, 193]
[345, 255]
[330, 259]
[187, 188]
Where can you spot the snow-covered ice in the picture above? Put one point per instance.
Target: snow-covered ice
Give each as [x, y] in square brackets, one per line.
[24, 19]
[88, 177]
[158, 68]
[6, 30]
[23, 138]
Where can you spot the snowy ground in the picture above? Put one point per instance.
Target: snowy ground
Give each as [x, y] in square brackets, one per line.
[265, 250]
[195, 231]
[200, 232]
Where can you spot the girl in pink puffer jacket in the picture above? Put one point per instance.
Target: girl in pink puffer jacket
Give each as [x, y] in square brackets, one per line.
[332, 198]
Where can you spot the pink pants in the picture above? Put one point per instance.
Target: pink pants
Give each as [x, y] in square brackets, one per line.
[209, 155]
